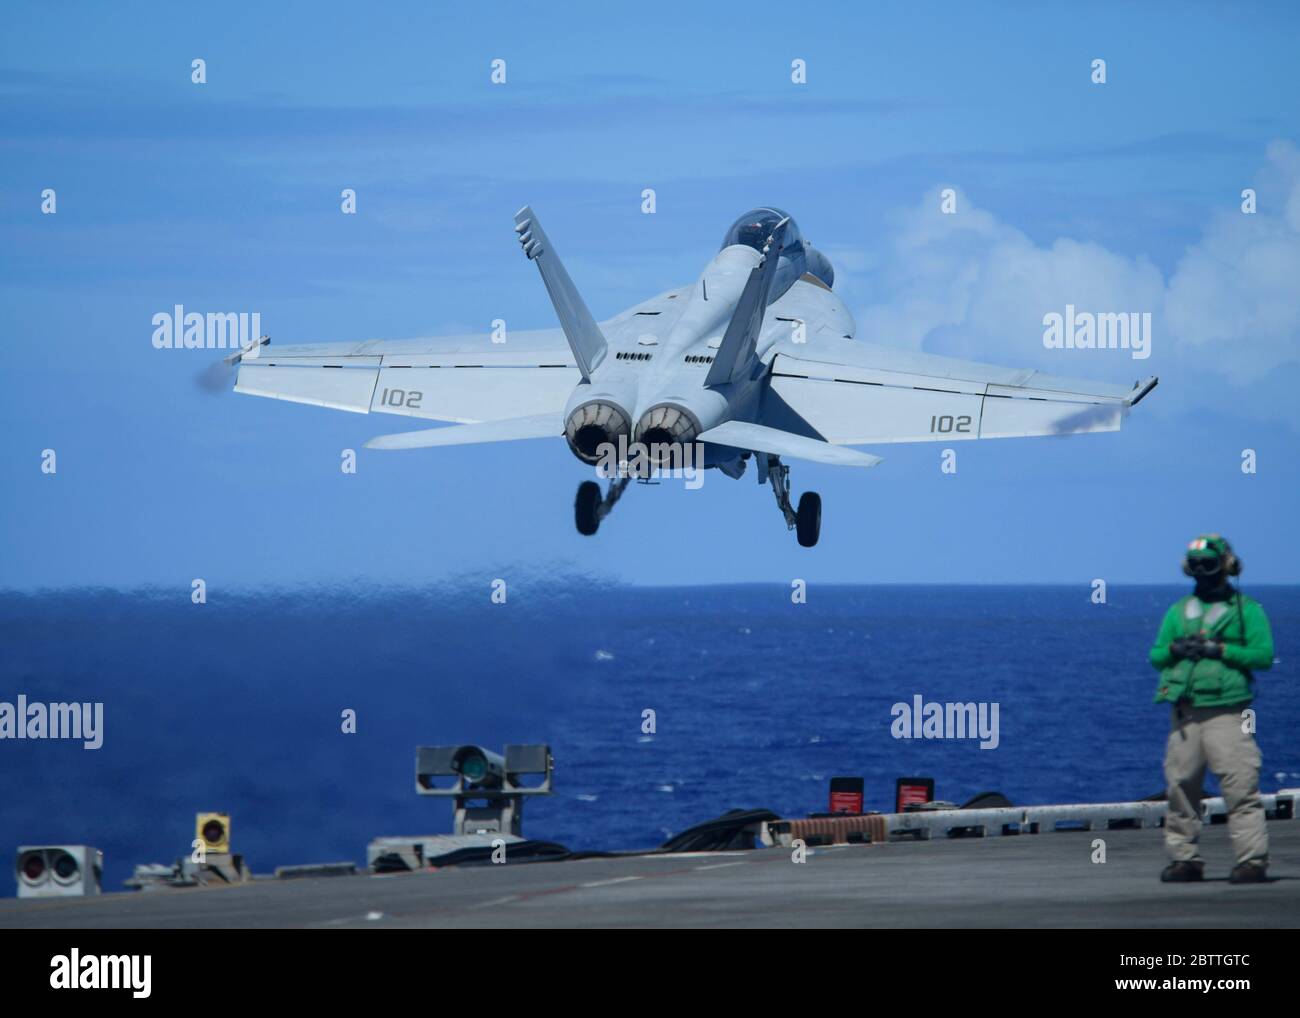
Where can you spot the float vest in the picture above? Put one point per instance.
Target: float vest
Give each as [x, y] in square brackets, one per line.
[1239, 623]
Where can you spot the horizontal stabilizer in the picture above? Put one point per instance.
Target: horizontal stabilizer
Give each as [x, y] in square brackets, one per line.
[585, 338]
[758, 438]
[509, 430]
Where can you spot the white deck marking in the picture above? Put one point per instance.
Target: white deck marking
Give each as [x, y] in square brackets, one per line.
[606, 883]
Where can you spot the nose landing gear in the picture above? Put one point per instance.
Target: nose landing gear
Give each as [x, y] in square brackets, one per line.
[806, 521]
[589, 507]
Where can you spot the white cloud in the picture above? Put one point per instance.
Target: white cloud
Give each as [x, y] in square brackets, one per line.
[970, 285]
[1236, 295]
[981, 287]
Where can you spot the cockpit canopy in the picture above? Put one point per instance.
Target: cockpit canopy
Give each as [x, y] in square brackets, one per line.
[755, 226]
[797, 255]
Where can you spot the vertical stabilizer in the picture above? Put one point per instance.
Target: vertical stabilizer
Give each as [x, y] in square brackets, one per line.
[584, 335]
[741, 338]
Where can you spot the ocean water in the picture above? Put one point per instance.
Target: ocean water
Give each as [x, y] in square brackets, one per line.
[236, 705]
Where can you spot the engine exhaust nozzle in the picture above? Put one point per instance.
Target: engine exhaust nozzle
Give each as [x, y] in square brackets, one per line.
[594, 425]
[664, 428]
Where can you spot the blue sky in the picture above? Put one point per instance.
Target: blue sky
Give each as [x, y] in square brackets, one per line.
[224, 196]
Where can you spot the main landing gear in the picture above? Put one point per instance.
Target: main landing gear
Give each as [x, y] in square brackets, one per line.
[589, 507]
[806, 521]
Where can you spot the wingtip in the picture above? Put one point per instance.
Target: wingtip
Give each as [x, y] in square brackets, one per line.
[1142, 389]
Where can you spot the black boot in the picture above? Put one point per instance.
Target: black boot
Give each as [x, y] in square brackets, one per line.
[1183, 872]
[1248, 873]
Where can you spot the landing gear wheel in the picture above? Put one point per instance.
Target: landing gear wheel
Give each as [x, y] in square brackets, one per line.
[807, 520]
[808, 526]
[586, 508]
[590, 507]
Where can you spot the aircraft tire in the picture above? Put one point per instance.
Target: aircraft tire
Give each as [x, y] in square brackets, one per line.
[808, 518]
[585, 505]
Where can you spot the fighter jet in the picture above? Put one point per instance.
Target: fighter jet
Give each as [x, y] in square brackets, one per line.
[757, 359]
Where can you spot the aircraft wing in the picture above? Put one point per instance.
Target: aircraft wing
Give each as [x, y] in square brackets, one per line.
[851, 393]
[462, 379]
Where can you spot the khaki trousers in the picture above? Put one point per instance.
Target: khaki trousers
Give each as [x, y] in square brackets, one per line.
[1213, 736]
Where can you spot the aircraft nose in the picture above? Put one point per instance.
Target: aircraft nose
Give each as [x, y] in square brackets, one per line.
[663, 427]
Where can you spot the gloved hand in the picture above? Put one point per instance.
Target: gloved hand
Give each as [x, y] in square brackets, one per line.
[1212, 650]
[1186, 648]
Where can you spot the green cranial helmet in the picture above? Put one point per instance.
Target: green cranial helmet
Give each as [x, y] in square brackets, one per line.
[1207, 553]
[1207, 546]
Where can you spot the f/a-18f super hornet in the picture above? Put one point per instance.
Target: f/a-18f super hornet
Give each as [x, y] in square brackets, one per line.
[755, 359]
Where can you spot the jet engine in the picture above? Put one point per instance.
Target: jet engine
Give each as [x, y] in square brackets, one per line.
[595, 424]
[664, 426]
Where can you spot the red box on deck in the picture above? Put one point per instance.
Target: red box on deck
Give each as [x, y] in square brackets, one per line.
[847, 795]
[912, 791]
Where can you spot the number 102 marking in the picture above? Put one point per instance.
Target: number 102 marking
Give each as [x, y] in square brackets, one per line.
[942, 424]
[402, 398]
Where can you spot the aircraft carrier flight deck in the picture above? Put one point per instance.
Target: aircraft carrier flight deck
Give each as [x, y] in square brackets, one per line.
[1042, 880]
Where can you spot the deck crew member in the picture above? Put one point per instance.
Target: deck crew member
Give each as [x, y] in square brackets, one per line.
[1209, 644]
